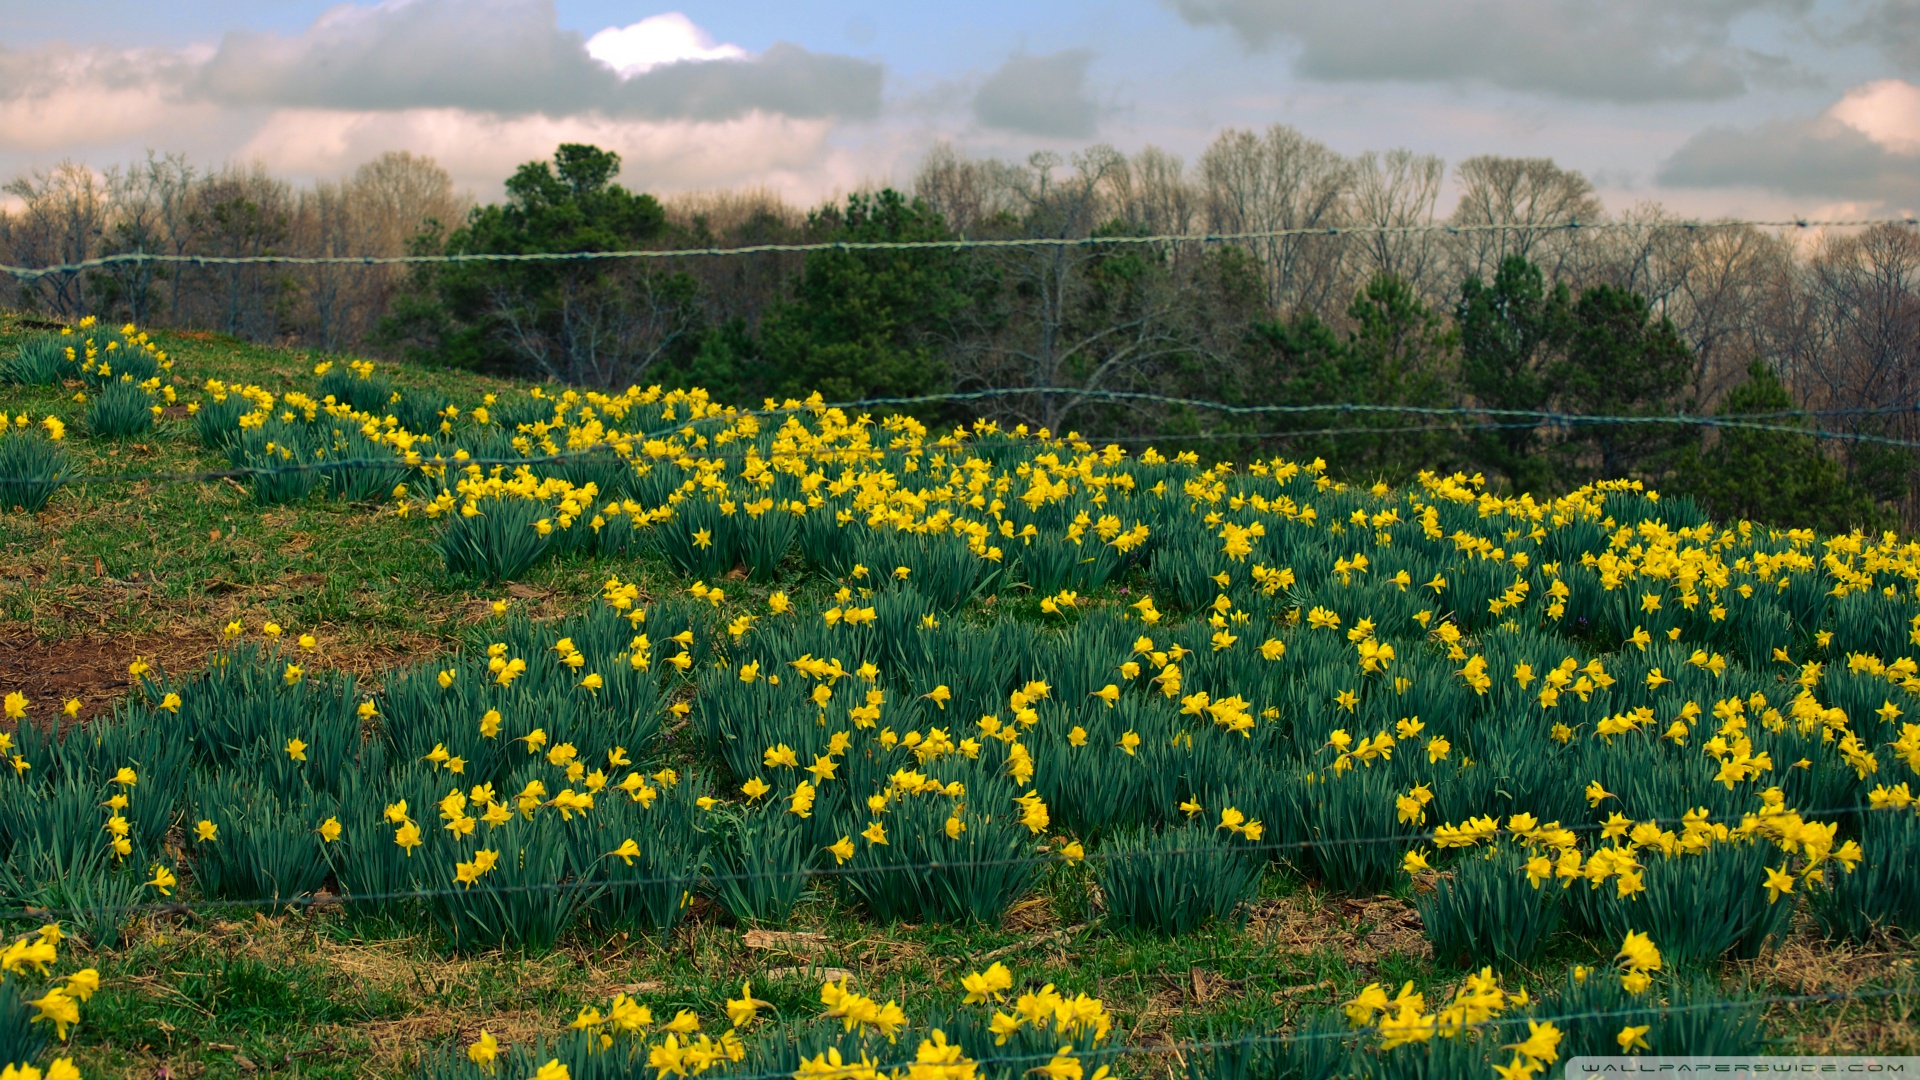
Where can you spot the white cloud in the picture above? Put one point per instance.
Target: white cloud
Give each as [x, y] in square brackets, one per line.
[511, 57]
[478, 150]
[56, 97]
[481, 85]
[1040, 95]
[1863, 150]
[1893, 27]
[1888, 112]
[661, 39]
[1620, 50]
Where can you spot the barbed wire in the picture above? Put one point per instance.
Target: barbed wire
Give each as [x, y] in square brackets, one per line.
[1185, 1048]
[1466, 417]
[31, 273]
[1540, 417]
[704, 880]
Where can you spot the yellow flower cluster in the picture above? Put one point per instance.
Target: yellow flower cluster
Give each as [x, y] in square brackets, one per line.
[58, 1006]
[1404, 1019]
[680, 1048]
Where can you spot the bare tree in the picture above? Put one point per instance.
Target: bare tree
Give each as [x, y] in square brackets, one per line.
[1524, 192]
[241, 212]
[135, 195]
[378, 212]
[1151, 191]
[1844, 326]
[1071, 321]
[174, 186]
[603, 330]
[1650, 254]
[1857, 332]
[1398, 190]
[744, 287]
[969, 193]
[324, 225]
[397, 195]
[1720, 301]
[62, 220]
[1281, 180]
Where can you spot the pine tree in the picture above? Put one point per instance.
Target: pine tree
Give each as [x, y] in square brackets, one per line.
[1773, 477]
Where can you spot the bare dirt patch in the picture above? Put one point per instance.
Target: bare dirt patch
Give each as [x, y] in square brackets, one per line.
[93, 666]
[1362, 931]
[90, 667]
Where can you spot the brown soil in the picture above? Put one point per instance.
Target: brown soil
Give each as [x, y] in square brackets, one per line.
[92, 667]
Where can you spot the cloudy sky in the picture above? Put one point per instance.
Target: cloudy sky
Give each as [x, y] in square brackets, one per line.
[1754, 107]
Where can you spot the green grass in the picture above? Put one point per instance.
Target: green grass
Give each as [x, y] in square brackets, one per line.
[153, 560]
[156, 568]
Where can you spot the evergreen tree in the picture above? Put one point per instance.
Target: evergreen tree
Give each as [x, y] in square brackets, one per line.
[1507, 333]
[868, 323]
[1399, 352]
[858, 323]
[599, 322]
[1773, 477]
[1616, 360]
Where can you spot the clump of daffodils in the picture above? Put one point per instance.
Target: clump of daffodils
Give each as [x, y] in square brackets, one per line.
[31, 958]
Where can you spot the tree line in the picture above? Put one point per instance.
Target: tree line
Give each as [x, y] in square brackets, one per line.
[1649, 321]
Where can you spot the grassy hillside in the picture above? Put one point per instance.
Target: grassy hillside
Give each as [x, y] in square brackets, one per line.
[157, 568]
[154, 570]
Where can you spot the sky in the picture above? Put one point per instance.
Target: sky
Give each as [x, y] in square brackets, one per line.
[1758, 108]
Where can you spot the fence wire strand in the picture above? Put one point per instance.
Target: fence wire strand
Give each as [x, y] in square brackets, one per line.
[1459, 418]
[703, 880]
[33, 273]
[1181, 1050]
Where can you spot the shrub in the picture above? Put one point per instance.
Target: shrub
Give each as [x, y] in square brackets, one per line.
[648, 856]
[700, 539]
[1883, 892]
[418, 411]
[265, 848]
[96, 898]
[922, 874]
[499, 542]
[358, 469]
[61, 820]
[217, 422]
[356, 386]
[1317, 1049]
[761, 860]
[1726, 879]
[524, 898]
[282, 466]
[32, 468]
[104, 356]
[1484, 909]
[1348, 816]
[1173, 881]
[21, 1040]
[39, 361]
[1696, 1018]
[120, 410]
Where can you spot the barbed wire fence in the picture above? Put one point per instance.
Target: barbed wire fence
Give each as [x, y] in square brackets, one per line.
[1269, 848]
[1464, 418]
[1182, 1050]
[30, 273]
